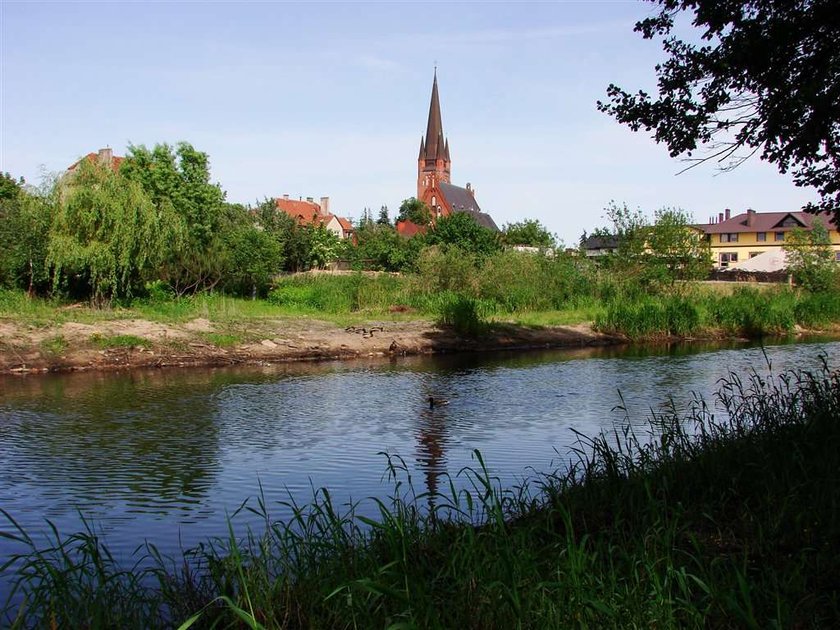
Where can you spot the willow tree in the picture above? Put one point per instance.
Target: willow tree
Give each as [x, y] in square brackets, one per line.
[107, 237]
[177, 179]
[24, 227]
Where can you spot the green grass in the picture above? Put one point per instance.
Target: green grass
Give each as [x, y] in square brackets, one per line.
[509, 288]
[697, 523]
[56, 345]
[223, 340]
[119, 341]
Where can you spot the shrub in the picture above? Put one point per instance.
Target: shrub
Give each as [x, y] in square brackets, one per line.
[818, 309]
[465, 314]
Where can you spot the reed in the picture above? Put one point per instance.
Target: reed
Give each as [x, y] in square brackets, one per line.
[721, 515]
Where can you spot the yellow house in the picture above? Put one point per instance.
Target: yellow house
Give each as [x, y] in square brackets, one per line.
[737, 238]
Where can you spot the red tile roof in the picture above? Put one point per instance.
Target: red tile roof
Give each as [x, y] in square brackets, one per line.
[93, 157]
[766, 222]
[345, 224]
[306, 212]
[409, 229]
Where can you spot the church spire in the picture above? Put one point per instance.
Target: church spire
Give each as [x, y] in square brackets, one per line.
[434, 128]
[434, 164]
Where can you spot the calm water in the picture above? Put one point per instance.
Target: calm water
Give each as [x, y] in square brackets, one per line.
[164, 455]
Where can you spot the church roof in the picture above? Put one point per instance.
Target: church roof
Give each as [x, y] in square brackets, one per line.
[462, 200]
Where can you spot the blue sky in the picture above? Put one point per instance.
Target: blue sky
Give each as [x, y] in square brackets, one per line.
[330, 99]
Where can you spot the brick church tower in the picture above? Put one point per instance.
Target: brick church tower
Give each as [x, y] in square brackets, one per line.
[433, 164]
[434, 187]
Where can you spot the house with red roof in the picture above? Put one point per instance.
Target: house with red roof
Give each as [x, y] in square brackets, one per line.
[104, 156]
[734, 239]
[308, 212]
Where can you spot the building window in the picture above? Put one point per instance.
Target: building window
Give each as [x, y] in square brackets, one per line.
[434, 201]
[728, 257]
[780, 236]
[837, 256]
[728, 238]
[761, 236]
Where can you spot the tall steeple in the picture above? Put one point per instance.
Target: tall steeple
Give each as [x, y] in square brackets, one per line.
[434, 163]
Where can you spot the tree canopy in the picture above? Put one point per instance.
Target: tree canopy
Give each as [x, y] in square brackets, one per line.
[107, 236]
[529, 232]
[810, 258]
[414, 210]
[461, 230]
[765, 80]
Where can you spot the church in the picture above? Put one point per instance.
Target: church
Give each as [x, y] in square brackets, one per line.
[434, 167]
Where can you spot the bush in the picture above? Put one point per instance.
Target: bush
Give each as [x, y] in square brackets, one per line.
[818, 309]
[466, 315]
[671, 315]
[754, 313]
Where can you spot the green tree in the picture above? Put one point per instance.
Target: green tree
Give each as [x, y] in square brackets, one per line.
[324, 246]
[681, 249]
[630, 228]
[253, 255]
[810, 258]
[25, 220]
[379, 247]
[10, 187]
[529, 232]
[107, 237]
[383, 218]
[765, 79]
[462, 231]
[178, 179]
[416, 211]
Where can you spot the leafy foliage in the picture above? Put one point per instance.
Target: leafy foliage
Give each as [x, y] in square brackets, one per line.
[670, 249]
[461, 230]
[681, 249]
[107, 236]
[765, 79]
[178, 180]
[529, 232]
[414, 210]
[253, 254]
[24, 234]
[380, 248]
[811, 259]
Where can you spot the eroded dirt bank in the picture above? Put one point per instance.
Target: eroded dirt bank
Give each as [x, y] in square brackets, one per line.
[135, 343]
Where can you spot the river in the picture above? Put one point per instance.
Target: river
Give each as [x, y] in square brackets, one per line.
[165, 455]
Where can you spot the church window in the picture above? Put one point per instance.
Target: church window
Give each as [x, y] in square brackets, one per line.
[434, 201]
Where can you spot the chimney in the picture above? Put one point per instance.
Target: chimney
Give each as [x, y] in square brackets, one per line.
[720, 217]
[309, 199]
[325, 205]
[726, 214]
[750, 216]
[286, 196]
[106, 156]
[470, 189]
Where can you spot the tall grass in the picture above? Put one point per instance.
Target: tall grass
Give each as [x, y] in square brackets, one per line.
[745, 312]
[513, 286]
[724, 516]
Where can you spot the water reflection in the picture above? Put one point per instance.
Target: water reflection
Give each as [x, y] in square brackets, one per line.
[109, 441]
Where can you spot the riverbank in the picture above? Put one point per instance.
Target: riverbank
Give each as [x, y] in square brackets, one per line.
[712, 524]
[140, 343]
[327, 318]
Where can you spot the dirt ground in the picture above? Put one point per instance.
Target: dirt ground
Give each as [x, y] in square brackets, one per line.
[134, 343]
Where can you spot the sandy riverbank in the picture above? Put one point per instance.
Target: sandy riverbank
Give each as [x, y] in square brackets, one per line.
[136, 343]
